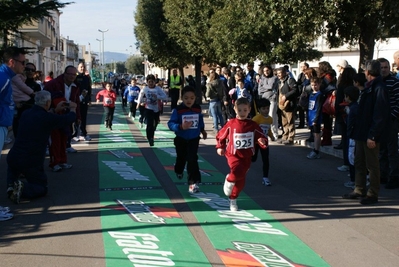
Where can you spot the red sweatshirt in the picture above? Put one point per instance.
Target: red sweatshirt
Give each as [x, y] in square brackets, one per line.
[239, 137]
[109, 97]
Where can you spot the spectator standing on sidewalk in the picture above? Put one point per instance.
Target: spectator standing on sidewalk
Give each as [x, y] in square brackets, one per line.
[174, 84]
[187, 121]
[389, 156]
[27, 155]
[287, 95]
[314, 116]
[62, 88]
[83, 81]
[266, 91]
[374, 112]
[13, 63]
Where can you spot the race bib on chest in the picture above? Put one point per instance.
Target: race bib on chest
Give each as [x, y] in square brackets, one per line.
[108, 101]
[243, 140]
[194, 118]
[311, 104]
[265, 128]
[133, 93]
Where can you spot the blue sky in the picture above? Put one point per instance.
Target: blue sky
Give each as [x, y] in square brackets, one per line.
[80, 22]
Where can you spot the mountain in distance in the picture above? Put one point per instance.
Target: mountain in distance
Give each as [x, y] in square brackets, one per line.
[110, 57]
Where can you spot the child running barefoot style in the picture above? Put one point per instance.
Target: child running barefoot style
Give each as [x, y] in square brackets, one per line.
[154, 95]
[314, 116]
[264, 121]
[109, 97]
[187, 122]
[236, 140]
[131, 93]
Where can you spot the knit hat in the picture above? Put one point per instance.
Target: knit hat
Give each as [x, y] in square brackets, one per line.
[342, 63]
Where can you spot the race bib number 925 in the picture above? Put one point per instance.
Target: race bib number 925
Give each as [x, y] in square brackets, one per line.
[244, 140]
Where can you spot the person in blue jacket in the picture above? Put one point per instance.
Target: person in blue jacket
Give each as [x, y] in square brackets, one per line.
[131, 94]
[187, 122]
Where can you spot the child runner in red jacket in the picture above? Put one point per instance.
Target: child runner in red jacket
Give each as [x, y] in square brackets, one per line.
[109, 98]
[236, 140]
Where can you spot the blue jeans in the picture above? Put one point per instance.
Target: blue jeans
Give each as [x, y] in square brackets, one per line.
[215, 108]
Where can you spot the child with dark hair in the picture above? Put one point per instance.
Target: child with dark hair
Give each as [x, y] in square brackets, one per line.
[264, 121]
[351, 97]
[109, 97]
[187, 122]
[315, 116]
[130, 95]
[236, 140]
[153, 95]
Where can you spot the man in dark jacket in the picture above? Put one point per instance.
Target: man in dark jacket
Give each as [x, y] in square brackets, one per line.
[374, 111]
[83, 81]
[27, 155]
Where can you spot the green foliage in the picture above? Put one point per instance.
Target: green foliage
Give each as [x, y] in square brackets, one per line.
[135, 64]
[361, 22]
[153, 40]
[16, 13]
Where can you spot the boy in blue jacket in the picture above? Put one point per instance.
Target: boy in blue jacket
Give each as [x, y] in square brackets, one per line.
[131, 94]
[187, 122]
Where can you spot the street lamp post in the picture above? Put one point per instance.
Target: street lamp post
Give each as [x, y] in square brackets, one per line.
[99, 41]
[102, 59]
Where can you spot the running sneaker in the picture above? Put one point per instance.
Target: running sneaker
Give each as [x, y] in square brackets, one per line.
[313, 155]
[233, 205]
[343, 168]
[5, 216]
[228, 187]
[193, 188]
[71, 150]
[57, 168]
[349, 184]
[65, 165]
[4, 209]
[266, 181]
[87, 138]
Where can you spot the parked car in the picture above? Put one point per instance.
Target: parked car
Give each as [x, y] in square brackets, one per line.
[140, 79]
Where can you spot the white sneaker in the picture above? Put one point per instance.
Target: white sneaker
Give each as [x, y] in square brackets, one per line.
[65, 165]
[129, 115]
[313, 155]
[233, 205]
[5, 216]
[266, 181]
[228, 187]
[71, 150]
[87, 138]
[4, 209]
[343, 168]
[133, 118]
[57, 168]
[76, 139]
[349, 184]
[193, 188]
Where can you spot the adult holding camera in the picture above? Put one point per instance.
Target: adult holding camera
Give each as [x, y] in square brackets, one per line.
[62, 88]
[27, 155]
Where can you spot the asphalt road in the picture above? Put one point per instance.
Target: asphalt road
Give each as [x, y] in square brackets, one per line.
[64, 228]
